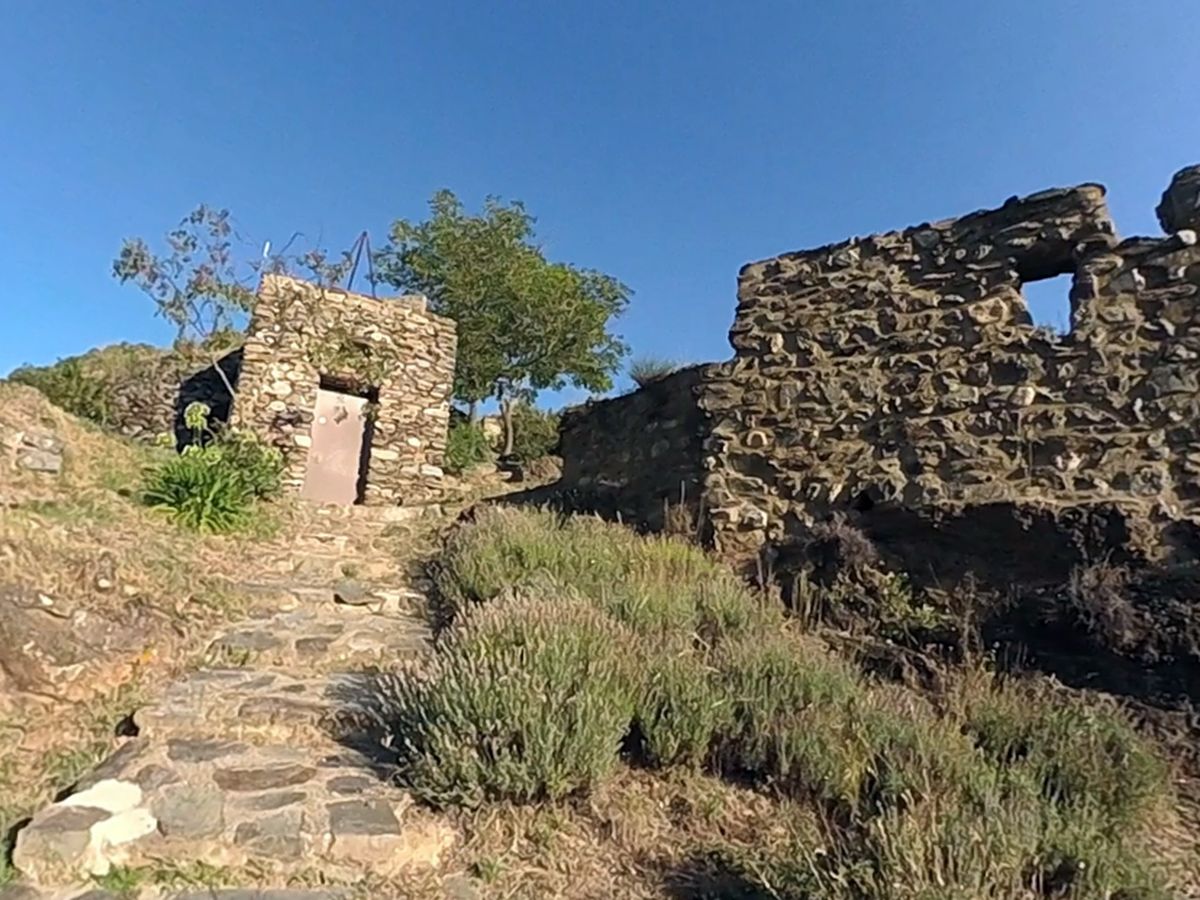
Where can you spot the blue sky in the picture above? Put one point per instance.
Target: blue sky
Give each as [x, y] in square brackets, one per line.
[665, 143]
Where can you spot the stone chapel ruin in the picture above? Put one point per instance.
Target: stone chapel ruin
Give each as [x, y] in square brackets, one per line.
[354, 391]
[899, 379]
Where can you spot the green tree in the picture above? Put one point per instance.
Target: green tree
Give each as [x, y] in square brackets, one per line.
[524, 323]
[196, 284]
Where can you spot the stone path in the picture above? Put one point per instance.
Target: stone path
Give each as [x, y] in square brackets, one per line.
[248, 764]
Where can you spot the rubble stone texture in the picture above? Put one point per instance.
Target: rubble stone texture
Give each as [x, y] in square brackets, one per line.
[641, 450]
[148, 399]
[295, 324]
[902, 370]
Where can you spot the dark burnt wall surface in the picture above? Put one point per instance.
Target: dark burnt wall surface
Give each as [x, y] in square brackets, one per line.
[632, 454]
[903, 370]
[149, 400]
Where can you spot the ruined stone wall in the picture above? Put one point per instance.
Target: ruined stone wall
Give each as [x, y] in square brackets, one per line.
[287, 351]
[151, 401]
[903, 370]
[902, 373]
[632, 455]
[144, 389]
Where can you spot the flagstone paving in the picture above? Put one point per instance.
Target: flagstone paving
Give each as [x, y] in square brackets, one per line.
[252, 762]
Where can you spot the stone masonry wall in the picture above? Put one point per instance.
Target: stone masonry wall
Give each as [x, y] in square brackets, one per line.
[636, 453]
[294, 325]
[903, 369]
[146, 388]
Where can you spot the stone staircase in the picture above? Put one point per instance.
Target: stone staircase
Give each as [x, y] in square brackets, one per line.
[255, 768]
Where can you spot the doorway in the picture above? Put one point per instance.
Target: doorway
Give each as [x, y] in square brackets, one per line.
[340, 449]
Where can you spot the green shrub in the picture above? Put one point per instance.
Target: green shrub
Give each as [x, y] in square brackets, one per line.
[199, 491]
[779, 687]
[257, 466]
[656, 586]
[805, 722]
[527, 699]
[680, 710]
[1079, 754]
[213, 487]
[647, 369]
[950, 849]
[535, 432]
[68, 386]
[1014, 793]
[997, 791]
[466, 446]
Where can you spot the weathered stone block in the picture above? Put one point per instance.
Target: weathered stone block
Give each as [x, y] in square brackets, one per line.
[189, 811]
[261, 778]
[904, 370]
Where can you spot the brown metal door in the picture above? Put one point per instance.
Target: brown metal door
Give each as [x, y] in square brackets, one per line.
[339, 424]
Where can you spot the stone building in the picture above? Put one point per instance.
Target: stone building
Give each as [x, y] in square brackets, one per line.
[353, 390]
[899, 379]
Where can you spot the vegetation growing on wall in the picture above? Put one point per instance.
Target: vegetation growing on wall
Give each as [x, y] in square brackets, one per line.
[345, 354]
[647, 369]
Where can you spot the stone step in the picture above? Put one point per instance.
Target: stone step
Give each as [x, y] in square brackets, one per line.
[325, 636]
[286, 592]
[281, 807]
[324, 567]
[253, 704]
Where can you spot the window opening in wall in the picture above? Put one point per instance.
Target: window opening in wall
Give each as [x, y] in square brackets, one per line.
[1049, 303]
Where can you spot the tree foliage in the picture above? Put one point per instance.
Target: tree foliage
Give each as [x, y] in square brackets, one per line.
[206, 281]
[524, 323]
[195, 285]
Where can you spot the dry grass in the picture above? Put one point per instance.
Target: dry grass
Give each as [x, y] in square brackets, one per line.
[80, 540]
[640, 835]
[1098, 596]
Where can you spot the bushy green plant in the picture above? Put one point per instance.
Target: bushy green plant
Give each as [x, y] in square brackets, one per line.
[67, 385]
[1011, 793]
[199, 490]
[1079, 754]
[680, 710]
[776, 684]
[528, 698]
[997, 791]
[946, 848]
[466, 446]
[257, 466]
[656, 586]
[213, 484]
[535, 432]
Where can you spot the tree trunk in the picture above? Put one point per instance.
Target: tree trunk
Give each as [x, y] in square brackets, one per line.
[506, 413]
